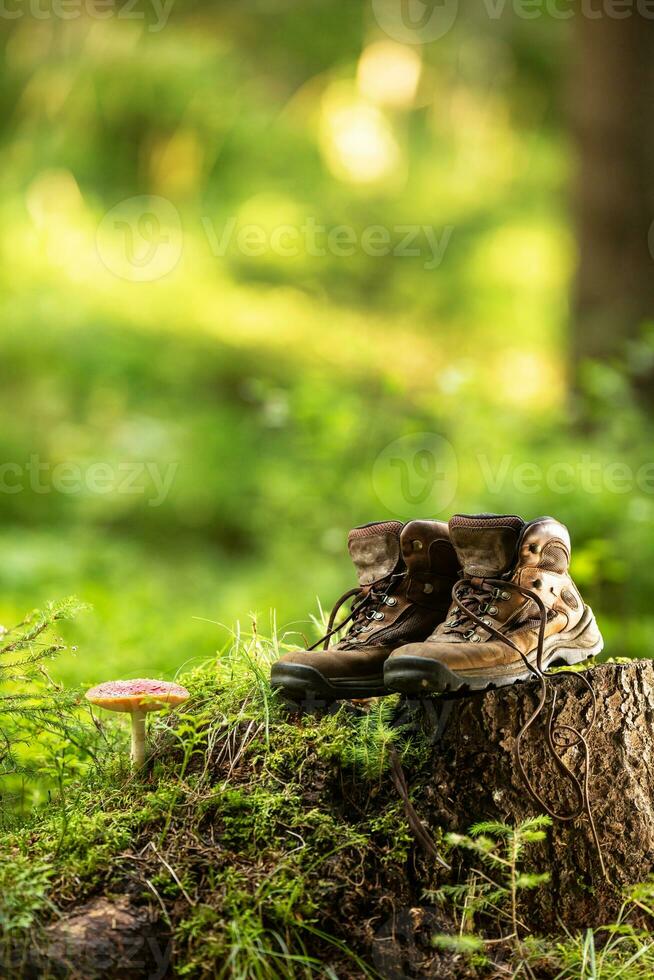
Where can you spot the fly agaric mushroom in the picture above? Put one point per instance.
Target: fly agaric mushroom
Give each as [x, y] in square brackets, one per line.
[137, 698]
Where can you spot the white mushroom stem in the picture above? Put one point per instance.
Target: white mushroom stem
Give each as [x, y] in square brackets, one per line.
[138, 738]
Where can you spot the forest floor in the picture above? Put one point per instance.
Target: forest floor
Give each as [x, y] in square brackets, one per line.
[263, 843]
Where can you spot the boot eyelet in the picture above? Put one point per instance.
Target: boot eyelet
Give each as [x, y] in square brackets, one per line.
[378, 615]
[506, 595]
[428, 588]
[493, 610]
[487, 621]
[476, 638]
[469, 634]
[417, 545]
[390, 600]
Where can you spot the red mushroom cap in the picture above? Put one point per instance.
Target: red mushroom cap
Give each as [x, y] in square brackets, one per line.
[141, 694]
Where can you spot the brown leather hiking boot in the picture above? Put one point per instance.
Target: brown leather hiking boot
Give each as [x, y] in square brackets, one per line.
[406, 573]
[515, 611]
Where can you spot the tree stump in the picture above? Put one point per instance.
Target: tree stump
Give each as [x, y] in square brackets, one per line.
[476, 778]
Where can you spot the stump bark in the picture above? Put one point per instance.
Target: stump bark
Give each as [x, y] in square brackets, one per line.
[476, 778]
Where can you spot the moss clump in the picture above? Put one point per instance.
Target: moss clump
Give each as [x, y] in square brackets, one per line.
[269, 844]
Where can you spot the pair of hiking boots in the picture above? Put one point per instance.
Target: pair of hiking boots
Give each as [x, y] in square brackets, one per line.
[482, 601]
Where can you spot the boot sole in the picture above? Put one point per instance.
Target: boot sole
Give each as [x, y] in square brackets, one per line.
[300, 682]
[421, 675]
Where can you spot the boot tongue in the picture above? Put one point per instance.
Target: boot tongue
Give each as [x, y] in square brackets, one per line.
[375, 550]
[485, 543]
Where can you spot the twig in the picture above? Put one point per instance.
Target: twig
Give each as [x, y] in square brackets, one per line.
[418, 829]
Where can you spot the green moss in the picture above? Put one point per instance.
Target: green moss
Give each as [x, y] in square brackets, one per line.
[24, 887]
[267, 842]
[270, 844]
[251, 827]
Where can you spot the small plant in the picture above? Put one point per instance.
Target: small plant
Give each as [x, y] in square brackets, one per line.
[618, 950]
[368, 750]
[33, 705]
[494, 890]
[491, 897]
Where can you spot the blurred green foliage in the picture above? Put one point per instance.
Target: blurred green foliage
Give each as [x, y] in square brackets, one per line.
[259, 388]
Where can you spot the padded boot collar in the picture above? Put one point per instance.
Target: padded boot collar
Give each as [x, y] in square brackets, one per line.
[375, 550]
[485, 543]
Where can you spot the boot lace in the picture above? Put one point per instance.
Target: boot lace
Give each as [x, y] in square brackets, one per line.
[365, 610]
[473, 597]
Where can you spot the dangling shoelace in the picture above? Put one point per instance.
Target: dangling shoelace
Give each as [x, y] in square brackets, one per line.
[561, 735]
[370, 598]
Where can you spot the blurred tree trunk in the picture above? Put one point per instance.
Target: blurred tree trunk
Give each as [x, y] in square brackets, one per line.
[613, 123]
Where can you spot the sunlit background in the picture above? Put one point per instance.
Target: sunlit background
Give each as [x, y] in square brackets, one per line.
[270, 270]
